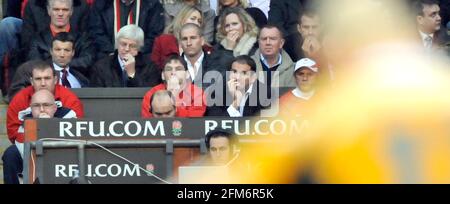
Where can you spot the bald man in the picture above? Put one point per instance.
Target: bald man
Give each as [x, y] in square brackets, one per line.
[163, 104]
[42, 105]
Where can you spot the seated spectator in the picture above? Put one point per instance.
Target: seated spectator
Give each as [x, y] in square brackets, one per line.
[167, 43]
[285, 13]
[274, 66]
[21, 78]
[236, 35]
[62, 53]
[257, 15]
[244, 95]
[201, 73]
[222, 147]
[307, 42]
[106, 21]
[128, 67]
[37, 18]
[433, 35]
[42, 105]
[43, 77]
[189, 98]
[61, 14]
[173, 8]
[162, 104]
[303, 97]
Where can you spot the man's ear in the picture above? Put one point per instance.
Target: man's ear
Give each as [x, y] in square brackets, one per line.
[419, 20]
[162, 76]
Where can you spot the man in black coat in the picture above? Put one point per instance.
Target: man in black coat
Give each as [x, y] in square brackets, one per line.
[201, 73]
[83, 47]
[243, 94]
[37, 19]
[105, 22]
[127, 67]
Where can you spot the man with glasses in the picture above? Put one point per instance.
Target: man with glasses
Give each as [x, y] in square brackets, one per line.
[127, 67]
[43, 99]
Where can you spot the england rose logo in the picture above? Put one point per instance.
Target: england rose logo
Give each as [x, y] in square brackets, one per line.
[176, 128]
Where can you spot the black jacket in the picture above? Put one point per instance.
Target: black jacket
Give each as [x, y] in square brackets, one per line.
[210, 74]
[36, 19]
[84, 50]
[285, 14]
[108, 73]
[222, 58]
[101, 24]
[259, 97]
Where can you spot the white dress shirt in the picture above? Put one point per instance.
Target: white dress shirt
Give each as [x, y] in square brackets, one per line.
[193, 69]
[74, 83]
[424, 37]
[233, 112]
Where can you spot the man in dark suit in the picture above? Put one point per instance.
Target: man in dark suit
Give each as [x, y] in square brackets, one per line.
[198, 61]
[127, 67]
[244, 94]
[66, 50]
[62, 53]
[428, 20]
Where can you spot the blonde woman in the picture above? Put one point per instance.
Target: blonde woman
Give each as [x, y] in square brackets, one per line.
[258, 16]
[167, 44]
[236, 35]
[172, 8]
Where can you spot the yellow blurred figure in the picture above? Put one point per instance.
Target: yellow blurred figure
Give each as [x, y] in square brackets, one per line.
[386, 119]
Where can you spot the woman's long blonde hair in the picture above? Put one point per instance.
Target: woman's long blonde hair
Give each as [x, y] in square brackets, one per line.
[175, 27]
[249, 24]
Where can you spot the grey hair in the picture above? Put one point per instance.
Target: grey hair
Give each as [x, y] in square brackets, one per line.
[132, 32]
[51, 2]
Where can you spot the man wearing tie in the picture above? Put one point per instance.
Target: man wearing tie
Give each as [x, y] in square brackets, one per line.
[62, 52]
[428, 23]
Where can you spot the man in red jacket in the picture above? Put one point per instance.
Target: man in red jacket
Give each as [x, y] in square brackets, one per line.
[43, 77]
[190, 100]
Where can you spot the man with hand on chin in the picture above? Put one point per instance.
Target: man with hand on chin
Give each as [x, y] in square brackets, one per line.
[190, 99]
[127, 67]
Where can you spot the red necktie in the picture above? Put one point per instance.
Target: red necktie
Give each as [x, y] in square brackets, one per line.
[64, 80]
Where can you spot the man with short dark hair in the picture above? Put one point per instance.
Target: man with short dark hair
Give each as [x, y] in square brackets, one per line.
[43, 77]
[243, 95]
[200, 71]
[428, 21]
[61, 14]
[221, 145]
[190, 101]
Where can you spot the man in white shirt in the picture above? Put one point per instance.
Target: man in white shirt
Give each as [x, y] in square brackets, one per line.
[428, 23]
[244, 94]
[192, 41]
[62, 52]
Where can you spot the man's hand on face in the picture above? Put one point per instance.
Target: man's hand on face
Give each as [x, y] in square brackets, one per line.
[174, 85]
[235, 92]
[311, 46]
[130, 63]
